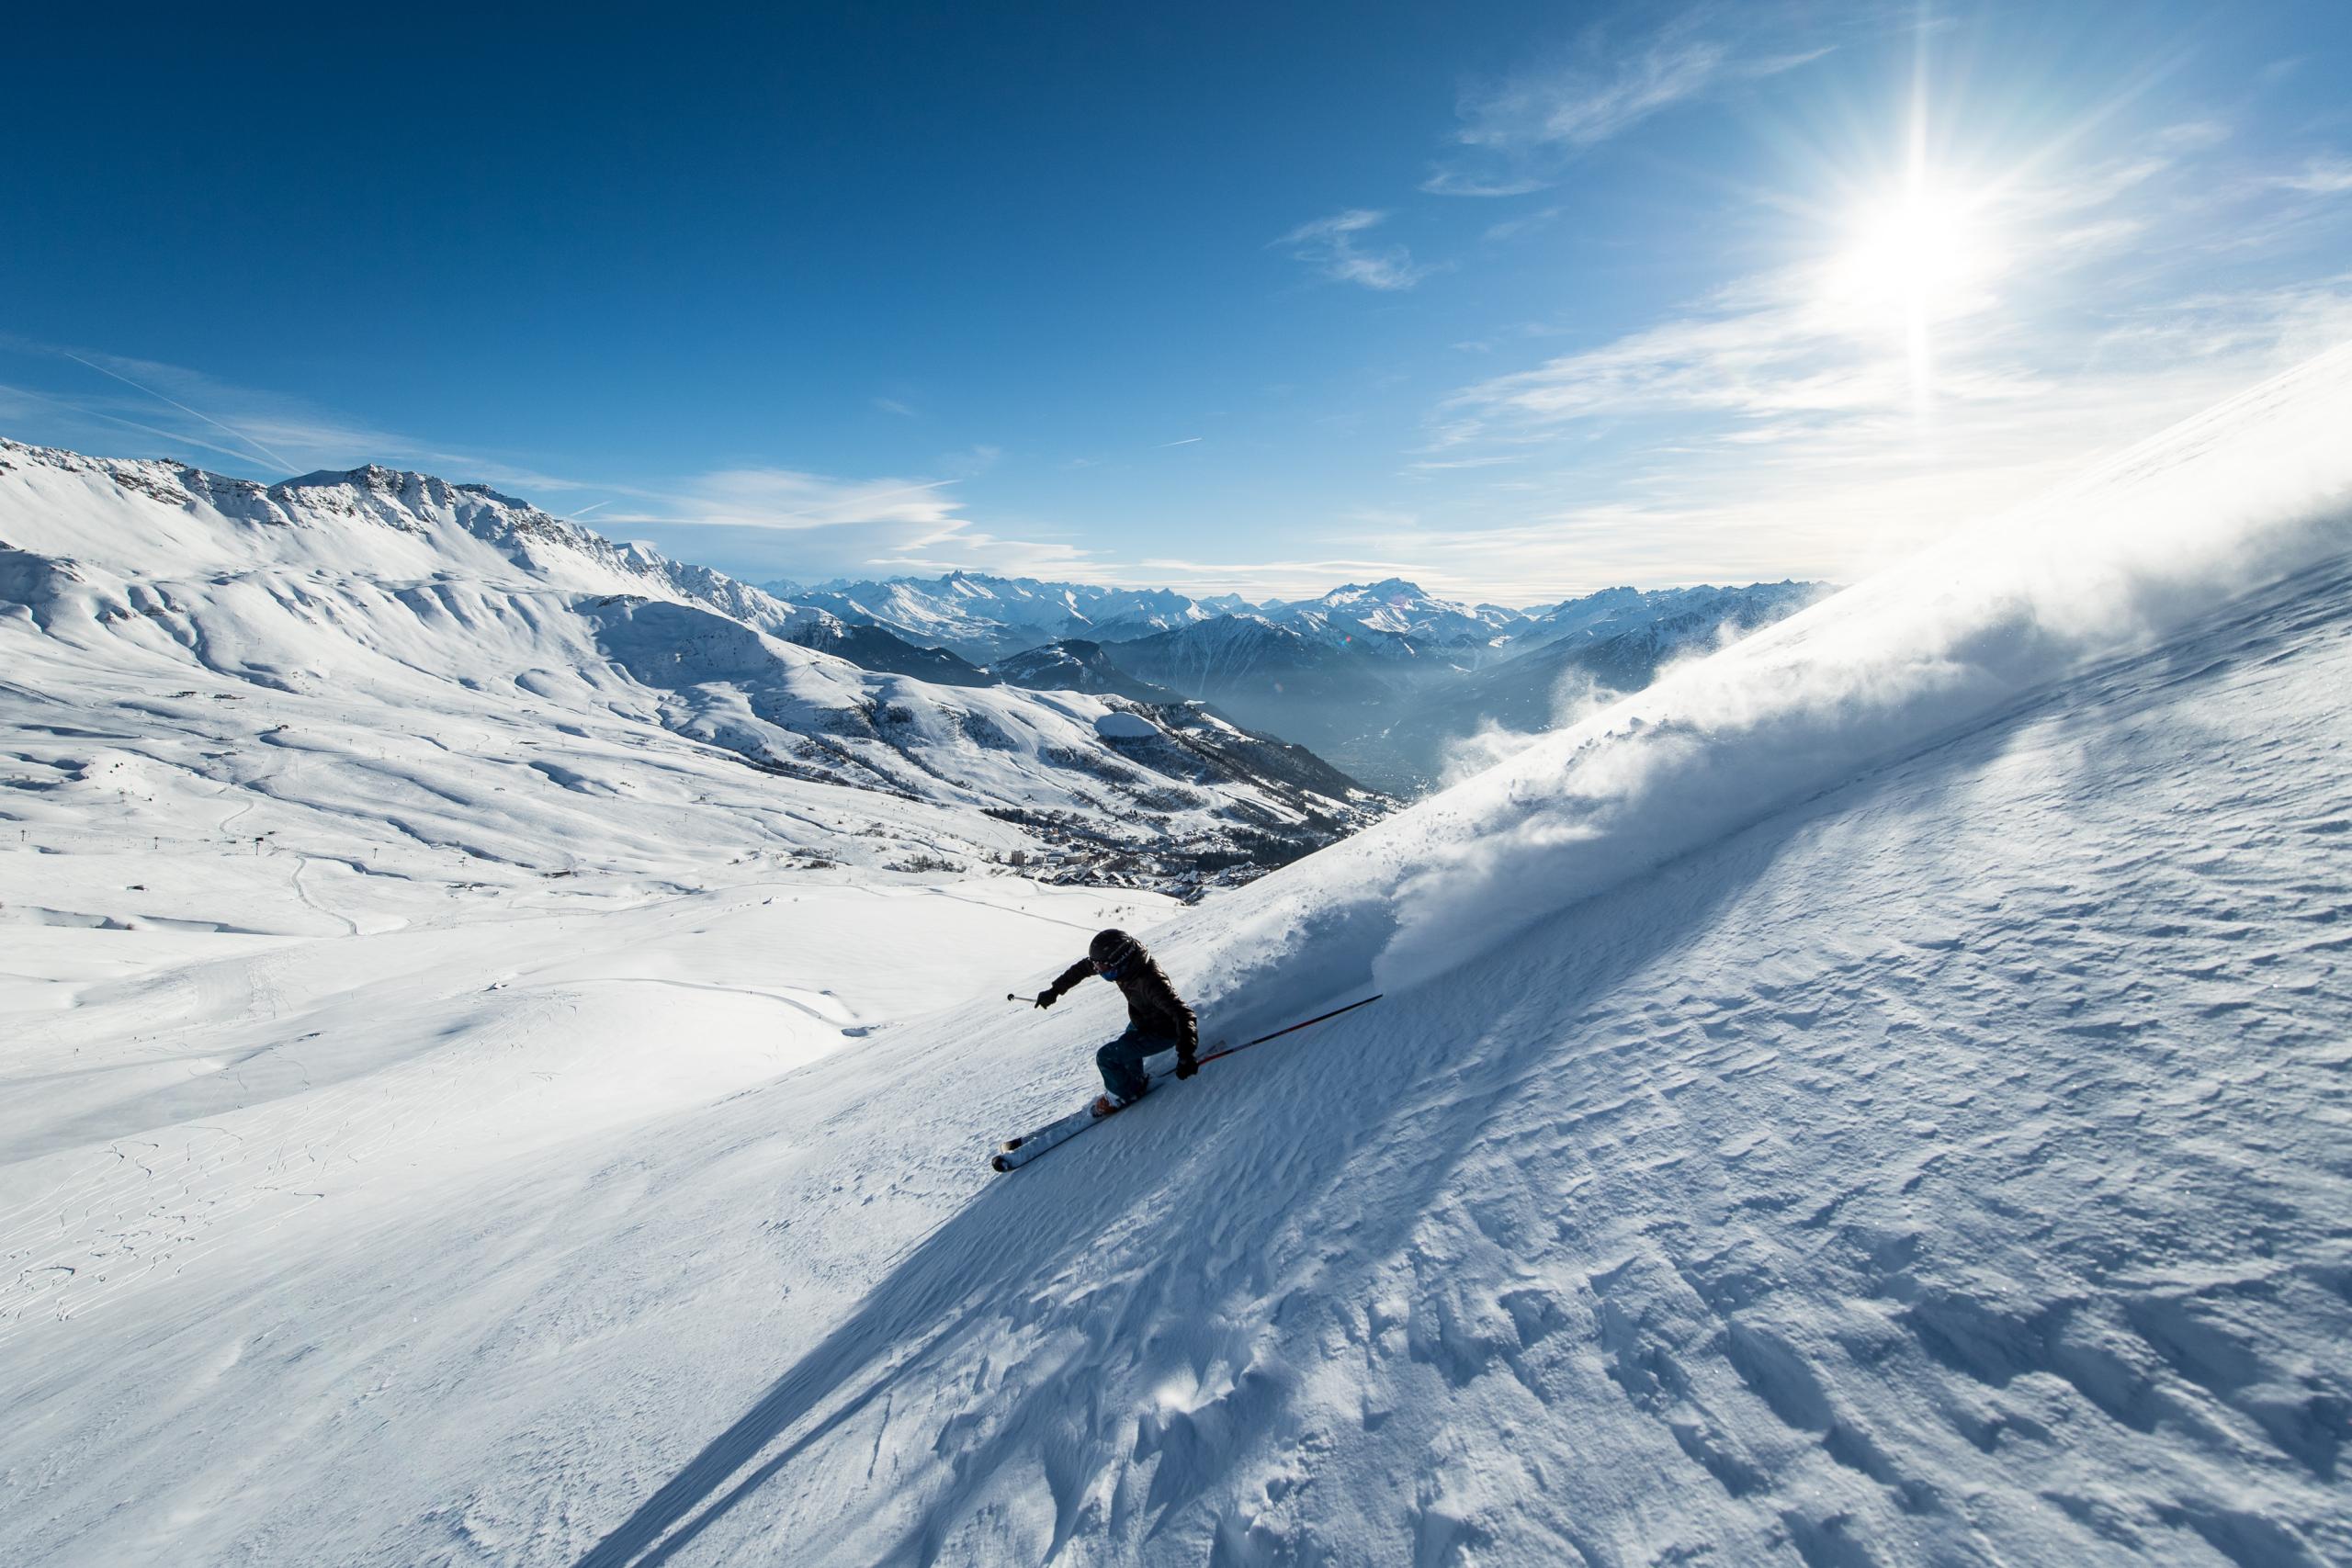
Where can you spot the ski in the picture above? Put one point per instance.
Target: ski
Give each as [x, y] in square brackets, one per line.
[1014, 1153]
[1018, 1152]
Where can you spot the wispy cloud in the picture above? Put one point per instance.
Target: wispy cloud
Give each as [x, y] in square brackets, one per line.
[972, 462]
[2320, 176]
[892, 405]
[766, 523]
[788, 500]
[2192, 136]
[1770, 347]
[1333, 246]
[1511, 228]
[1515, 134]
[1452, 179]
[1581, 108]
[1447, 465]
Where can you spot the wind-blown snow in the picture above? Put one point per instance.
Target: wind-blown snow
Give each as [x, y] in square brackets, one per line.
[2251, 492]
[1880, 1096]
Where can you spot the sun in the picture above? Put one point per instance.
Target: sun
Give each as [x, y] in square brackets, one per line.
[1914, 252]
[1918, 257]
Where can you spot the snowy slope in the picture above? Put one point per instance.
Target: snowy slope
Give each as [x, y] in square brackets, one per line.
[371, 619]
[1880, 1095]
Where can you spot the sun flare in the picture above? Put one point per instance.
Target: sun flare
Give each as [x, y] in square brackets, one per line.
[1913, 260]
[1915, 253]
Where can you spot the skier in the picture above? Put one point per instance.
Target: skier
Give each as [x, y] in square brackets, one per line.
[1157, 1017]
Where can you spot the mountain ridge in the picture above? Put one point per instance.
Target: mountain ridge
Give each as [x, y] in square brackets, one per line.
[1382, 679]
[404, 596]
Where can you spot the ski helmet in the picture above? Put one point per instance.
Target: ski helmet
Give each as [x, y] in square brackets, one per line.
[1112, 948]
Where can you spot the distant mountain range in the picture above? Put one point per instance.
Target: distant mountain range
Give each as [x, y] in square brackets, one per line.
[1384, 678]
[983, 618]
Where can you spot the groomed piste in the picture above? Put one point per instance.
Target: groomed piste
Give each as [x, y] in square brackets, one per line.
[1879, 1096]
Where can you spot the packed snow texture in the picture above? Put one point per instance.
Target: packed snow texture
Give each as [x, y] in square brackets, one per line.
[1881, 1095]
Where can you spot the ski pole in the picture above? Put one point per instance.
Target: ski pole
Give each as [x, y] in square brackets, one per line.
[1292, 1029]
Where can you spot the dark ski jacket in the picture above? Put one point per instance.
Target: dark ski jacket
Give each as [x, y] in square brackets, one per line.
[1153, 1006]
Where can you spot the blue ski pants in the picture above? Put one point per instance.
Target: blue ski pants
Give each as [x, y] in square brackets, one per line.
[1122, 1061]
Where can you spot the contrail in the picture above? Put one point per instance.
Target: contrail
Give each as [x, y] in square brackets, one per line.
[1186, 442]
[185, 409]
[180, 436]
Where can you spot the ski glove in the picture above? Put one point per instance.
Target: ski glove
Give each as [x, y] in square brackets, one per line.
[1046, 998]
[1186, 1064]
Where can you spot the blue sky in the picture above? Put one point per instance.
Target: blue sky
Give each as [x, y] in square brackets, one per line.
[1516, 299]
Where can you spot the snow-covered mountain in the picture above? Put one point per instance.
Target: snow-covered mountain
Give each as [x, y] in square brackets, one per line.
[354, 616]
[871, 647]
[1612, 612]
[984, 618]
[1075, 664]
[1322, 691]
[1396, 608]
[1877, 1095]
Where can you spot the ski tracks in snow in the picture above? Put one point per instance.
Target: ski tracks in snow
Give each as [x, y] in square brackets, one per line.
[302, 863]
